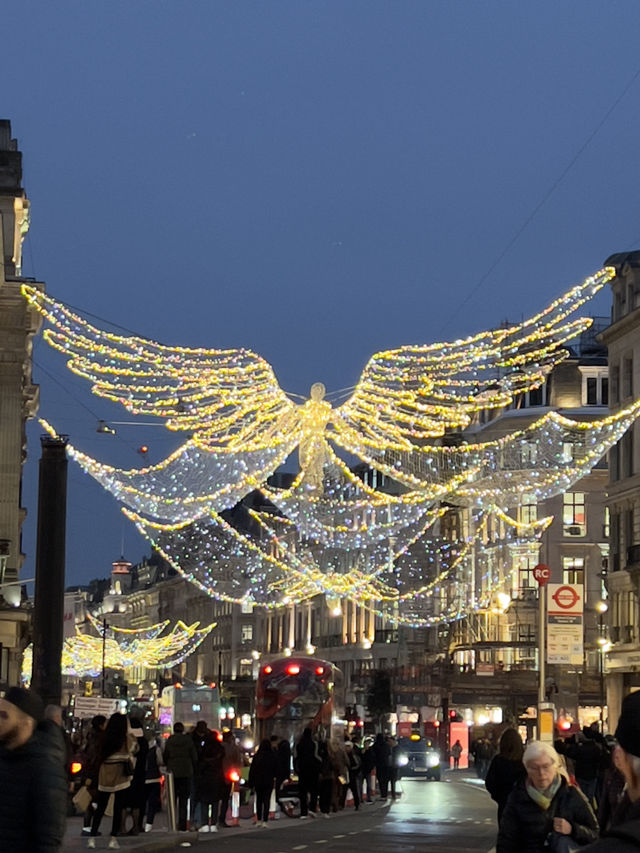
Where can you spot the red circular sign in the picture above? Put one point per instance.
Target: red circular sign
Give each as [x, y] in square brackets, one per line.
[565, 597]
[542, 573]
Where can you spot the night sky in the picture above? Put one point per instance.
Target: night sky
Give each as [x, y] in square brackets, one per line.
[313, 180]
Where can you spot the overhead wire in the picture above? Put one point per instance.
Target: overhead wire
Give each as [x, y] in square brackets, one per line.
[537, 207]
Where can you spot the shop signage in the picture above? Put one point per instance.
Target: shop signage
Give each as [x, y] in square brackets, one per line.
[88, 706]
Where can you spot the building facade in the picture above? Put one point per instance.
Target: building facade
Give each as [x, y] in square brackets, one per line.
[18, 402]
[622, 338]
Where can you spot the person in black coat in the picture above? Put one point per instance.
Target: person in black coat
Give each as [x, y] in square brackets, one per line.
[210, 781]
[382, 756]
[33, 783]
[624, 834]
[283, 755]
[544, 806]
[368, 765]
[586, 755]
[506, 768]
[262, 777]
[307, 766]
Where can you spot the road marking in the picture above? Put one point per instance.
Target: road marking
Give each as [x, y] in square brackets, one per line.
[339, 836]
[353, 833]
[301, 847]
[322, 841]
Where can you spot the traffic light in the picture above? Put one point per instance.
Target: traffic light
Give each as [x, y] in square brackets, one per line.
[454, 717]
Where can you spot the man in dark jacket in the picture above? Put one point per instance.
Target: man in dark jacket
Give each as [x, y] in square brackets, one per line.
[180, 759]
[586, 755]
[33, 804]
[625, 835]
[307, 766]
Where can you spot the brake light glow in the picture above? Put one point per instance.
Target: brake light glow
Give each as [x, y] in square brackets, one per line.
[76, 767]
[234, 776]
[293, 669]
[268, 669]
[319, 670]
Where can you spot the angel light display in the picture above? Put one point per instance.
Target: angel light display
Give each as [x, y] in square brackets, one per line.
[242, 426]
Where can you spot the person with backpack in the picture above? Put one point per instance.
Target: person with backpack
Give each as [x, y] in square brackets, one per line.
[353, 760]
[114, 777]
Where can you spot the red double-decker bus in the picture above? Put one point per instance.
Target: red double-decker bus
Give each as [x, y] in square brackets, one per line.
[295, 693]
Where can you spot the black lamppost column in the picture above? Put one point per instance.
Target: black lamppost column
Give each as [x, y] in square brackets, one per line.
[46, 679]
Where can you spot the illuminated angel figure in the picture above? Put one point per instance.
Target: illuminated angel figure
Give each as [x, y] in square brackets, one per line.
[242, 425]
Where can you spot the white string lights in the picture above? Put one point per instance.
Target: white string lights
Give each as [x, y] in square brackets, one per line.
[330, 533]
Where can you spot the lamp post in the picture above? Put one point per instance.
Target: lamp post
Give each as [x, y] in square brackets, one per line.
[104, 654]
[601, 609]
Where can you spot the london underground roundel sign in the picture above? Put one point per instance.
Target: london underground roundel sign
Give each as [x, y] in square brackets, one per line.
[566, 597]
[542, 574]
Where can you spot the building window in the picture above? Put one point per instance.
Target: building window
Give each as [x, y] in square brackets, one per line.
[615, 383]
[529, 453]
[595, 389]
[628, 527]
[450, 525]
[246, 632]
[528, 510]
[573, 570]
[537, 396]
[573, 515]
[614, 463]
[245, 669]
[627, 377]
[627, 452]
[606, 525]
[567, 451]
[525, 574]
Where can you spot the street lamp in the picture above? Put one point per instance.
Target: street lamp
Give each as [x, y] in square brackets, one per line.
[601, 609]
[104, 654]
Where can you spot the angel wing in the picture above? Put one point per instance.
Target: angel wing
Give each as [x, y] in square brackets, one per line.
[413, 393]
[229, 399]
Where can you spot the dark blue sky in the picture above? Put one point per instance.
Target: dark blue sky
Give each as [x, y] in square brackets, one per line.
[313, 180]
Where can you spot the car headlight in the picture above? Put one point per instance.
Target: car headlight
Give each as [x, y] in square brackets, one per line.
[402, 760]
[433, 759]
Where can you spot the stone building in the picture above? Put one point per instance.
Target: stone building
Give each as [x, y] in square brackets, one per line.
[18, 401]
[494, 653]
[622, 338]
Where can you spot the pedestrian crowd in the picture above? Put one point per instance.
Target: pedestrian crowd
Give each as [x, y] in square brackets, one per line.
[580, 793]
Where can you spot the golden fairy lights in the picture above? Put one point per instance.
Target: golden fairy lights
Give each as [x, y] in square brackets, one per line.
[83, 654]
[330, 532]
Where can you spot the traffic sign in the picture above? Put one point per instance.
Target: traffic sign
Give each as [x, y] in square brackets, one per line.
[542, 574]
[566, 597]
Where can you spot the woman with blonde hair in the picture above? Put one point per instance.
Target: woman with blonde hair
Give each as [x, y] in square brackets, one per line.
[544, 812]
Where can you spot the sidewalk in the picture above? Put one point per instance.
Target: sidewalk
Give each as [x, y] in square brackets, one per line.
[158, 839]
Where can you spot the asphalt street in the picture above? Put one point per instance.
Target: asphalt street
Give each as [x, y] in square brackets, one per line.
[453, 815]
